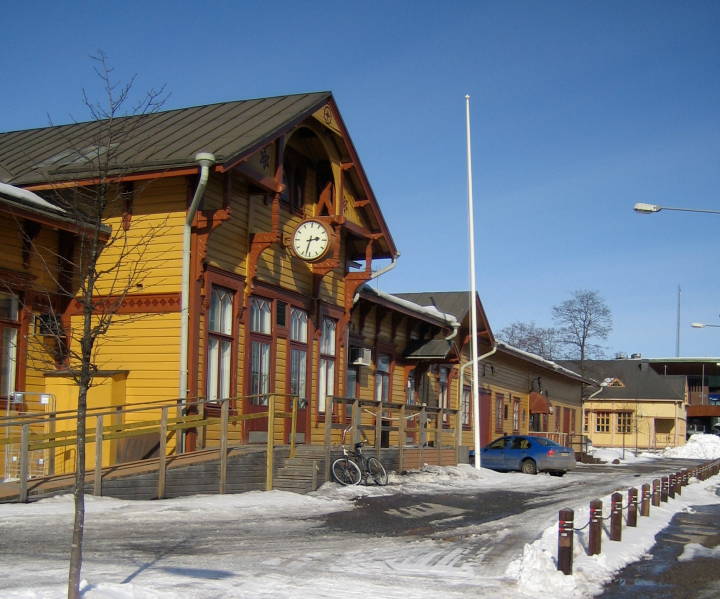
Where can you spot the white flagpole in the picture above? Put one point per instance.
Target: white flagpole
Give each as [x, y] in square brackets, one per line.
[473, 293]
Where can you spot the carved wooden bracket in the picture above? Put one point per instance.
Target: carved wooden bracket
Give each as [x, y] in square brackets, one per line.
[206, 221]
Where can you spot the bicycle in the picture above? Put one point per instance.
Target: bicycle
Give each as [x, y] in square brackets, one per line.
[354, 467]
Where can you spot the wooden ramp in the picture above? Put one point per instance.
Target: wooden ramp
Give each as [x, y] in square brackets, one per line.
[187, 474]
[199, 472]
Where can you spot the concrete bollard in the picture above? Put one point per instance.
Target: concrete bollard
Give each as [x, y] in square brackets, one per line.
[632, 507]
[616, 517]
[566, 524]
[645, 500]
[595, 527]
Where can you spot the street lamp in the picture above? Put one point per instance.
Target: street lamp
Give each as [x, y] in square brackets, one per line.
[702, 325]
[643, 208]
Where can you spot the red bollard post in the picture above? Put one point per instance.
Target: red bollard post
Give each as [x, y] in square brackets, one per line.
[678, 483]
[632, 507]
[566, 524]
[645, 500]
[664, 483]
[671, 486]
[595, 528]
[656, 492]
[616, 517]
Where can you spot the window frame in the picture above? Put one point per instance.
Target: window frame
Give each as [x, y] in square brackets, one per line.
[624, 422]
[10, 325]
[602, 421]
[298, 343]
[261, 331]
[220, 359]
[327, 359]
[499, 410]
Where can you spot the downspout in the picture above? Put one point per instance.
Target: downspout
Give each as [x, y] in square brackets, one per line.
[205, 160]
[377, 273]
[385, 269]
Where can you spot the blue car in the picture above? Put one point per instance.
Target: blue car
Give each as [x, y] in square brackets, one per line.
[526, 454]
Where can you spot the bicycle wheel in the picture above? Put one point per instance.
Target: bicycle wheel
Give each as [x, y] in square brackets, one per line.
[377, 471]
[346, 472]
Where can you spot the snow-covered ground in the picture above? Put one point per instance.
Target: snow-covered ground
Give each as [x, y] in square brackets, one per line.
[276, 545]
[702, 447]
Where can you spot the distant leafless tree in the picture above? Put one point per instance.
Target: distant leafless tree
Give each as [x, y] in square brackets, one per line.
[583, 318]
[529, 337]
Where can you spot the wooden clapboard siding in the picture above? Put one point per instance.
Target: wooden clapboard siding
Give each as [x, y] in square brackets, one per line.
[149, 349]
[11, 234]
[154, 237]
[38, 361]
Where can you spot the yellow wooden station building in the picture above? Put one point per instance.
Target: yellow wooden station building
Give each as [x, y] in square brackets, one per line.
[238, 250]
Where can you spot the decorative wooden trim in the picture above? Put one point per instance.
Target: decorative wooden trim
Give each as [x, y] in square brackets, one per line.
[205, 222]
[259, 179]
[260, 242]
[145, 303]
[293, 298]
[155, 174]
[127, 191]
[13, 279]
[362, 177]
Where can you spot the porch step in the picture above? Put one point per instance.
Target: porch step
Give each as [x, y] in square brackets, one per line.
[303, 472]
[586, 458]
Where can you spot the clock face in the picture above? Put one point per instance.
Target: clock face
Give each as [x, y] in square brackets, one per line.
[311, 240]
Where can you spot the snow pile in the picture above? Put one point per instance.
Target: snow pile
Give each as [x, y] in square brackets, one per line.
[702, 447]
[462, 478]
[536, 570]
[695, 550]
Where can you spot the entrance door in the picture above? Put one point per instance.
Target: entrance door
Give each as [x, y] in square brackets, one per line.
[298, 387]
[299, 382]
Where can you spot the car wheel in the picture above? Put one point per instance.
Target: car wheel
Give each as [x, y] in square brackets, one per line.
[557, 473]
[528, 467]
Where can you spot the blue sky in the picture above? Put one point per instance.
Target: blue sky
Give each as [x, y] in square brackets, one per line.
[579, 110]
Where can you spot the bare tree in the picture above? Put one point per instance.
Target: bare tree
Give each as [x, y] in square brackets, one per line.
[103, 265]
[581, 319]
[529, 337]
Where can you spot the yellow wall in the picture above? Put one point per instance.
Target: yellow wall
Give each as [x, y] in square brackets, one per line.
[655, 424]
[149, 253]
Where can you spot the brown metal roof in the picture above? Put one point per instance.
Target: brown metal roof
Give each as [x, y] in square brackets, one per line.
[154, 142]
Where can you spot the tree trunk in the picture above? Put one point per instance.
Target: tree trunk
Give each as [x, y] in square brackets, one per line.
[79, 496]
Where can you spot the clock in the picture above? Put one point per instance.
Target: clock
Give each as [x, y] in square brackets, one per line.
[311, 240]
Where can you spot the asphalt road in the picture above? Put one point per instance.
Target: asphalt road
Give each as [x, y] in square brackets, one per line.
[481, 530]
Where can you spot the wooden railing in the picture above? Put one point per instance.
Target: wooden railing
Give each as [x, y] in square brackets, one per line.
[434, 426]
[54, 434]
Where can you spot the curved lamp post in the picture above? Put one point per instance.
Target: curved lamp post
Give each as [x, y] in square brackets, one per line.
[702, 325]
[643, 208]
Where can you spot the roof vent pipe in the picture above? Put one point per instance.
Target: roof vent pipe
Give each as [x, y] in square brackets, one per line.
[205, 160]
